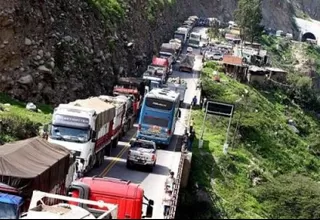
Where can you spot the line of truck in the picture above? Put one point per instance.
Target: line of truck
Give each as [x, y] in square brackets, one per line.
[79, 136]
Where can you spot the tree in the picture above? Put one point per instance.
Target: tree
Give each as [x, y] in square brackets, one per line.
[291, 196]
[248, 17]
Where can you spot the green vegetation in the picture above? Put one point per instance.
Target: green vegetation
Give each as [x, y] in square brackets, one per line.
[17, 122]
[270, 171]
[248, 16]
[155, 5]
[111, 9]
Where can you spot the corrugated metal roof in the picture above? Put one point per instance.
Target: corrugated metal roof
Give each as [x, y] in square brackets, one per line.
[233, 60]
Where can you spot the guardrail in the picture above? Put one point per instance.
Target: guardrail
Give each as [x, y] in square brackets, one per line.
[176, 189]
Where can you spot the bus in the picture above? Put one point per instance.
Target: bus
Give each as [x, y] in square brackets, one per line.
[159, 114]
[194, 40]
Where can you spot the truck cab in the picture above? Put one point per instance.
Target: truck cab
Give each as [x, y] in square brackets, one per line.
[128, 196]
[10, 206]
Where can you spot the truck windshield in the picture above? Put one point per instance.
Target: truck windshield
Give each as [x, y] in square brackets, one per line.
[70, 134]
[161, 122]
[8, 211]
[179, 36]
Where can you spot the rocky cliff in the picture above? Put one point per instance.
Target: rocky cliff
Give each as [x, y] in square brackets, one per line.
[54, 51]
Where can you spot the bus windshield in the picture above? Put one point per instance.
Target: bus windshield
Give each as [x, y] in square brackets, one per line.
[159, 104]
[161, 122]
[194, 42]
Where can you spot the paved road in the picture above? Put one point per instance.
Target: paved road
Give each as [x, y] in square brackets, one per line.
[152, 183]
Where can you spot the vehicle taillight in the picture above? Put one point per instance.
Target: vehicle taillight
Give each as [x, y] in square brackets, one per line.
[169, 132]
[139, 127]
[153, 157]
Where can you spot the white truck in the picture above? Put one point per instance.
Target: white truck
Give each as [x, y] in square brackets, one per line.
[39, 210]
[181, 34]
[85, 128]
[179, 86]
[142, 152]
[117, 120]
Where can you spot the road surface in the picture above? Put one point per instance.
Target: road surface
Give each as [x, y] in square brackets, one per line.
[168, 159]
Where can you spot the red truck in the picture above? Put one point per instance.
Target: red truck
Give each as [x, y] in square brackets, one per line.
[131, 86]
[128, 196]
[28, 165]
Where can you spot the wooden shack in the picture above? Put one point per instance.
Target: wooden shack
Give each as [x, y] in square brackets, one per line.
[235, 67]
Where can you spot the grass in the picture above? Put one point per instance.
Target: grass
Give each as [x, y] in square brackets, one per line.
[264, 147]
[20, 122]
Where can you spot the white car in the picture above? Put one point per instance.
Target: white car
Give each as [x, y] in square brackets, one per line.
[142, 152]
[213, 56]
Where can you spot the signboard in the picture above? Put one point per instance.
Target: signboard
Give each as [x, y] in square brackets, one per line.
[70, 121]
[220, 108]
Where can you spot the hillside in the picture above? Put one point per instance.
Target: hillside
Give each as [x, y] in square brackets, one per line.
[265, 150]
[48, 47]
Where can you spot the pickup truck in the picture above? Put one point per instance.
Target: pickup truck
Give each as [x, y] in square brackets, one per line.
[142, 152]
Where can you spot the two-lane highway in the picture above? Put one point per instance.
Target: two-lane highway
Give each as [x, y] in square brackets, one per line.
[168, 159]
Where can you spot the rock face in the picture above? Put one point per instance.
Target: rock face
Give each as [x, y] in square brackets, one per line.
[56, 51]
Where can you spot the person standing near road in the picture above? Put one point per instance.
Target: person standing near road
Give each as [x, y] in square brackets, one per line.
[194, 101]
[166, 201]
[191, 139]
[191, 125]
[80, 168]
[170, 181]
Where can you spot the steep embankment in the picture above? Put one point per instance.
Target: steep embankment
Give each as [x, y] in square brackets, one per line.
[53, 51]
[271, 170]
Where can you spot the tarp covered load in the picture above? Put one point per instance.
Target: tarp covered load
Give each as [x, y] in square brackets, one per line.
[169, 48]
[105, 111]
[187, 61]
[33, 164]
[29, 158]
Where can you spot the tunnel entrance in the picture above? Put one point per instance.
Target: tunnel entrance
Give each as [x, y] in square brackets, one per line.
[308, 35]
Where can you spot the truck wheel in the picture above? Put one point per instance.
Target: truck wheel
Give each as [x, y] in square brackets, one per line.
[115, 142]
[129, 165]
[107, 151]
[150, 168]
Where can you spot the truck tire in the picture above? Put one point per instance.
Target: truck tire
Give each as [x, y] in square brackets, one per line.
[107, 151]
[129, 165]
[150, 168]
[115, 142]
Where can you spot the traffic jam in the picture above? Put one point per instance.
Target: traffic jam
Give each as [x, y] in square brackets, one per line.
[46, 177]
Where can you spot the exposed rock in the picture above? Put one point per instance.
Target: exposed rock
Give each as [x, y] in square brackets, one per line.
[26, 80]
[43, 69]
[27, 41]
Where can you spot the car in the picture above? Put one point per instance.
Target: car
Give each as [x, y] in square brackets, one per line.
[213, 55]
[142, 152]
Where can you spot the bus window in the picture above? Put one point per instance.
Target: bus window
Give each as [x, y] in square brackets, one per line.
[159, 104]
[161, 122]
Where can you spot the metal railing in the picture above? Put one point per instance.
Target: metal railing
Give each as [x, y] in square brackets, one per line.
[176, 189]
